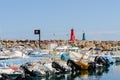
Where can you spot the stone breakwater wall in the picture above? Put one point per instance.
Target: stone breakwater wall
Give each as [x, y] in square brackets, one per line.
[104, 45]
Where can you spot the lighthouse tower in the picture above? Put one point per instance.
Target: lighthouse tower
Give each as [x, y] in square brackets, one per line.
[83, 37]
[72, 36]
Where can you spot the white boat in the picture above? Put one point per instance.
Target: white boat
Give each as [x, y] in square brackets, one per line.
[12, 53]
[7, 69]
[39, 52]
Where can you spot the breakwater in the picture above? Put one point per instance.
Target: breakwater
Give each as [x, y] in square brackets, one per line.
[104, 45]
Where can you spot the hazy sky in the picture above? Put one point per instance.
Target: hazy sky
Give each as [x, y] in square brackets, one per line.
[99, 19]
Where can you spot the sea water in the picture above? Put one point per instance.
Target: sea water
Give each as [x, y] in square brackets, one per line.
[22, 60]
[110, 73]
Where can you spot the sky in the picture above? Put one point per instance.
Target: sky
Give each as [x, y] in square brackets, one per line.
[99, 19]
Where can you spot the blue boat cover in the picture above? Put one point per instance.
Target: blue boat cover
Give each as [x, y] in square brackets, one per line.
[65, 56]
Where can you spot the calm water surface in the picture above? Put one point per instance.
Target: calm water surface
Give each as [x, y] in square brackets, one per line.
[111, 73]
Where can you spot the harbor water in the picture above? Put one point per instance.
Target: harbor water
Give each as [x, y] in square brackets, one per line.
[111, 73]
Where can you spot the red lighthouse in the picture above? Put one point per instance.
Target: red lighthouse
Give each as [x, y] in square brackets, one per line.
[72, 37]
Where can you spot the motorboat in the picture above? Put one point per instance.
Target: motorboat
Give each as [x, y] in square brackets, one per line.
[8, 69]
